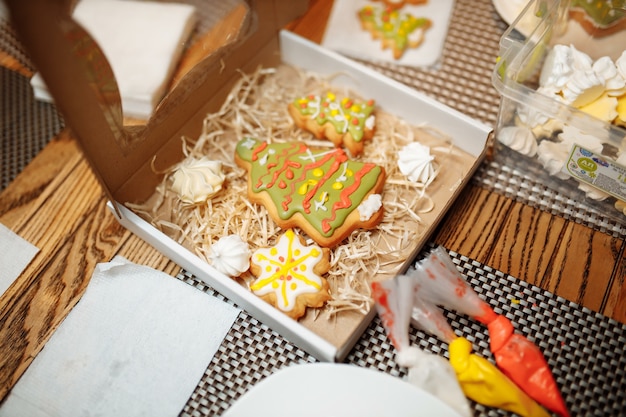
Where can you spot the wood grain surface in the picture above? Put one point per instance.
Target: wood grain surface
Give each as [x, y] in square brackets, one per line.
[57, 205]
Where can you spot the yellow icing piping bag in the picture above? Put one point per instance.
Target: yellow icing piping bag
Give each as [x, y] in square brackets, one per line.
[484, 383]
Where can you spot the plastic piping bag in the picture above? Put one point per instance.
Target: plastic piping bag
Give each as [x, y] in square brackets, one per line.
[519, 358]
[480, 380]
[430, 372]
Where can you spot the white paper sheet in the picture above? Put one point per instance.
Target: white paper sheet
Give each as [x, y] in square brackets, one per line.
[143, 42]
[345, 35]
[15, 255]
[136, 344]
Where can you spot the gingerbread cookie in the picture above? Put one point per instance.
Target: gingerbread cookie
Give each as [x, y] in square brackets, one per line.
[319, 190]
[398, 4]
[397, 31]
[344, 122]
[599, 17]
[289, 275]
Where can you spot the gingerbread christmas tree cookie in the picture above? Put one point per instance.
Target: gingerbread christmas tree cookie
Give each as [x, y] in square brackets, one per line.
[321, 191]
[397, 31]
[346, 122]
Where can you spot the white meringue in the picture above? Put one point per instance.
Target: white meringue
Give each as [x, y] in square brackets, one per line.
[620, 64]
[197, 180]
[557, 67]
[553, 156]
[416, 162]
[592, 192]
[531, 116]
[369, 206]
[606, 69]
[582, 88]
[230, 255]
[572, 135]
[519, 138]
[575, 78]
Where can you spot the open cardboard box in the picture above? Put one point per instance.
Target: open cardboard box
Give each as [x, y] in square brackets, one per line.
[121, 154]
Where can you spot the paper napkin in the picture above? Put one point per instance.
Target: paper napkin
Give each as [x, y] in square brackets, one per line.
[344, 33]
[143, 42]
[136, 344]
[15, 255]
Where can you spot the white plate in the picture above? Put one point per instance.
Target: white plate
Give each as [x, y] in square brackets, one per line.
[345, 35]
[329, 390]
[509, 10]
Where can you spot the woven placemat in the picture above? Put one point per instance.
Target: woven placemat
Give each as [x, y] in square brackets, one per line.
[584, 349]
[26, 125]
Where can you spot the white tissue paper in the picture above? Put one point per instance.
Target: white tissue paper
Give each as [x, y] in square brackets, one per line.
[136, 344]
[143, 42]
[15, 255]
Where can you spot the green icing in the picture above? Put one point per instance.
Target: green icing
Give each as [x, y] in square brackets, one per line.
[603, 12]
[320, 184]
[346, 115]
[393, 24]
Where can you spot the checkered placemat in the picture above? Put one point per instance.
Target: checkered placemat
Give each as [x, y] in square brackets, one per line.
[26, 125]
[584, 349]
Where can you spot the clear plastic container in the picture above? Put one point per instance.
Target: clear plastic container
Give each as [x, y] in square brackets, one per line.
[571, 145]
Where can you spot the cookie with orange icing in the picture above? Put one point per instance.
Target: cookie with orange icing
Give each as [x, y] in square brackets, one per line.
[599, 17]
[289, 275]
[321, 191]
[346, 122]
[396, 30]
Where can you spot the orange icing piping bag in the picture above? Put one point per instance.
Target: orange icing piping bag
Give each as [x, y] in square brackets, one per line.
[428, 371]
[522, 361]
[484, 383]
[519, 358]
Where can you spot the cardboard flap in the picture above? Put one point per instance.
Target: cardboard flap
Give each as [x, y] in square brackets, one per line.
[82, 84]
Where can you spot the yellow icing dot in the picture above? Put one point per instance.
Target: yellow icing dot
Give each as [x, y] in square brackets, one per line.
[318, 172]
[303, 267]
[274, 284]
[334, 112]
[387, 27]
[268, 268]
[296, 252]
[302, 190]
[349, 172]
[273, 251]
[303, 101]
[355, 108]
[315, 252]
[330, 96]
[293, 286]
[346, 116]
[337, 186]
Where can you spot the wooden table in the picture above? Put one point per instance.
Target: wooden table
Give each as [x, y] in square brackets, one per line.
[57, 204]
